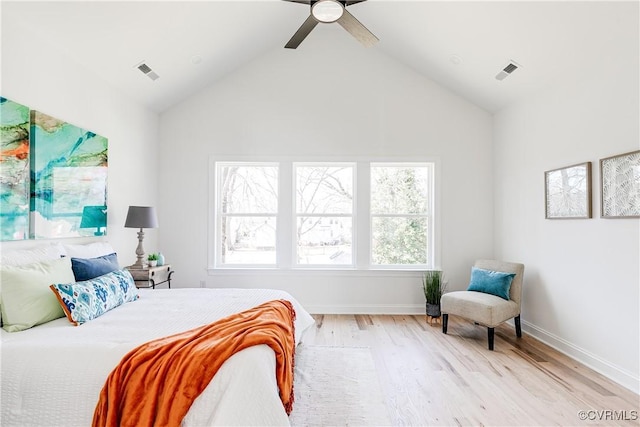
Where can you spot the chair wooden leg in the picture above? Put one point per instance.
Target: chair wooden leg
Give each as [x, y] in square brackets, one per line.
[490, 332]
[445, 319]
[518, 327]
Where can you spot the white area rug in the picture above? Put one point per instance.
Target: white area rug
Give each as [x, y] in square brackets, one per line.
[336, 386]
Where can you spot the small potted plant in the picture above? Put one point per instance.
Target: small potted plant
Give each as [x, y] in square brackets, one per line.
[153, 260]
[433, 290]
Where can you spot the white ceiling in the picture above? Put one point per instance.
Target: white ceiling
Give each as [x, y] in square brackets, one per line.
[549, 39]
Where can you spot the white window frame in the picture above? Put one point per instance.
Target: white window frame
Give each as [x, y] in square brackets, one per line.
[296, 215]
[429, 215]
[286, 244]
[219, 216]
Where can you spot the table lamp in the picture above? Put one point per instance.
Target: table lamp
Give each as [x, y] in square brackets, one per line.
[141, 217]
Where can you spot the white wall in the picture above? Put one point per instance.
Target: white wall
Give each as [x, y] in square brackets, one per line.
[331, 100]
[582, 277]
[43, 77]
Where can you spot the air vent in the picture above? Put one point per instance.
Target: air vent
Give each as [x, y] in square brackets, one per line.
[144, 68]
[508, 69]
[147, 71]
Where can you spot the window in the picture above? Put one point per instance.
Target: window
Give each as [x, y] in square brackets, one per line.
[401, 214]
[247, 210]
[324, 215]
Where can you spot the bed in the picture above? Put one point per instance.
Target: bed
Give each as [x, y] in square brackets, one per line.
[52, 374]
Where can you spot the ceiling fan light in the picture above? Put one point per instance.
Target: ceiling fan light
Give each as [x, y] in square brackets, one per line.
[327, 11]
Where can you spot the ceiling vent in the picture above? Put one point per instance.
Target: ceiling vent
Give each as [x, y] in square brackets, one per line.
[147, 71]
[510, 68]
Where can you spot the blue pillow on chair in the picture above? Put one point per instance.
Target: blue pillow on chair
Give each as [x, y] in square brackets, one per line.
[496, 283]
[90, 268]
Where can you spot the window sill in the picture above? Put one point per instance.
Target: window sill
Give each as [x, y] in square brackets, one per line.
[305, 272]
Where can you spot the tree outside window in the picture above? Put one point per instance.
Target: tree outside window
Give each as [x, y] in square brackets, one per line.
[324, 213]
[247, 213]
[400, 214]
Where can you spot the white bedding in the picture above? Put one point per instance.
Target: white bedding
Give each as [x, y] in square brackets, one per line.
[52, 374]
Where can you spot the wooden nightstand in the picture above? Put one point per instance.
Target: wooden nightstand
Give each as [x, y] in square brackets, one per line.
[151, 277]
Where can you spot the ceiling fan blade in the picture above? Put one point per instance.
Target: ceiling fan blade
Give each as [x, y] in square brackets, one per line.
[302, 32]
[349, 3]
[357, 30]
[303, 1]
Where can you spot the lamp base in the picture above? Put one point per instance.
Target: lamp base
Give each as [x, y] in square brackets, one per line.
[139, 265]
[136, 267]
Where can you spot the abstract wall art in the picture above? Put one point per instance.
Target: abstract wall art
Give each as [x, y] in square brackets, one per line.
[14, 170]
[568, 192]
[68, 173]
[620, 186]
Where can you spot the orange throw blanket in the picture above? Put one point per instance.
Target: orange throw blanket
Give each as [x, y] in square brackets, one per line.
[156, 383]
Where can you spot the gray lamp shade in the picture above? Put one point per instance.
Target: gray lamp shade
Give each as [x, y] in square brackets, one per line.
[141, 217]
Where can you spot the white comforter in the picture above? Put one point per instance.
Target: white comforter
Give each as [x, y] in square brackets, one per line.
[52, 374]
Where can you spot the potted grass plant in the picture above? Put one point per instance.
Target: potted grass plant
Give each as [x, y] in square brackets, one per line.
[153, 260]
[433, 289]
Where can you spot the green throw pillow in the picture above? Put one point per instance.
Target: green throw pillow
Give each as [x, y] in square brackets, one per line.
[496, 283]
[26, 298]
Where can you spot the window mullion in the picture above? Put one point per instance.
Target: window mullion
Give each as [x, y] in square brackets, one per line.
[286, 231]
[362, 230]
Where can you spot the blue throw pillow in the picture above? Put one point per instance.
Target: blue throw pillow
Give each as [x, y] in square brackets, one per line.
[89, 268]
[84, 301]
[496, 283]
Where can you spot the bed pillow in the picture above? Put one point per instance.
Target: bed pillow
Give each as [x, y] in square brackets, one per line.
[29, 256]
[496, 283]
[90, 250]
[90, 268]
[84, 301]
[26, 298]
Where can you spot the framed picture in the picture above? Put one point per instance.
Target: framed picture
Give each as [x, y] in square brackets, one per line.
[14, 170]
[620, 186]
[69, 184]
[568, 192]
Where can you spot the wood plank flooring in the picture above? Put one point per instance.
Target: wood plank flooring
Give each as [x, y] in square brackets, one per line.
[430, 378]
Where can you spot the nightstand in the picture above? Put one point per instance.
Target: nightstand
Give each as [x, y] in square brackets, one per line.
[151, 277]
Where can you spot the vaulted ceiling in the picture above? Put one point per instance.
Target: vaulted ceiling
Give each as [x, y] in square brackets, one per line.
[461, 45]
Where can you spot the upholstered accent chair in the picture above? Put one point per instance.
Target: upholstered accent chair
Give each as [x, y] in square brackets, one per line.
[486, 308]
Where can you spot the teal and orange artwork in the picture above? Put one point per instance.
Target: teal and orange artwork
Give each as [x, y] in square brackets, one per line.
[14, 170]
[68, 174]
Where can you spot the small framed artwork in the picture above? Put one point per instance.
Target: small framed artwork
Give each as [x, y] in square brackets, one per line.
[620, 186]
[568, 192]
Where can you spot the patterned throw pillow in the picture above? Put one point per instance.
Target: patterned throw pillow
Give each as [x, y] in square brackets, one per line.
[84, 301]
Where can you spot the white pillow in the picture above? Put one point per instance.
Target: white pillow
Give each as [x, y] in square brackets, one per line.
[91, 250]
[26, 298]
[29, 256]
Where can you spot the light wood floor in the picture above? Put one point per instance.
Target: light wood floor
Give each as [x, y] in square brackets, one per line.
[429, 378]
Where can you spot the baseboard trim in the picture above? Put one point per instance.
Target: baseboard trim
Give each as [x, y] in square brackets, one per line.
[366, 309]
[609, 370]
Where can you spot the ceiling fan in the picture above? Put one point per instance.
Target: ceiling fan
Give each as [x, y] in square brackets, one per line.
[327, 12]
